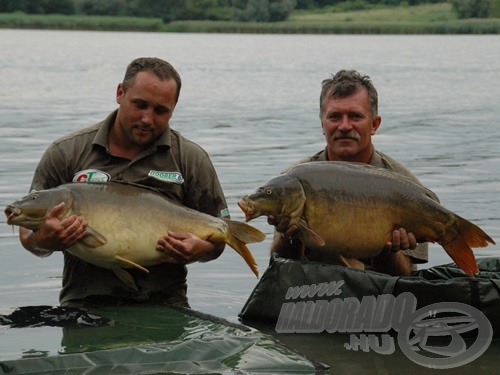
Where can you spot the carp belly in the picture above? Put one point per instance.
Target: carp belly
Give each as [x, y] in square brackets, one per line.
[349, 230]
[129, 237]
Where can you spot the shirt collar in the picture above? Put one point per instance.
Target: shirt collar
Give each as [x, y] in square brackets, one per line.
[376, 160]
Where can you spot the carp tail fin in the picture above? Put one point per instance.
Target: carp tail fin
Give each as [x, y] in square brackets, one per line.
[462, 255]
[245, 232]
[238, 235]
[243, 250]
[472, 234]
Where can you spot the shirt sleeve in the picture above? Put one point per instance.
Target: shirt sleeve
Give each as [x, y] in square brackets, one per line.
[50, 171]
[204, 191]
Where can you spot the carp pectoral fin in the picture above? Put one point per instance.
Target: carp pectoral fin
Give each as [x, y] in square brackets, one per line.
[129, 263]
[310, 235]
[352, 262]
[94, 238]
[125, 277]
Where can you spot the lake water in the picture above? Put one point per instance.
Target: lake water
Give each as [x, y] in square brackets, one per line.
[252, 102]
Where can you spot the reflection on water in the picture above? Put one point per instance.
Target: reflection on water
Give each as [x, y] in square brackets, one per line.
[252, 102]
[335, 350]
[150, 340]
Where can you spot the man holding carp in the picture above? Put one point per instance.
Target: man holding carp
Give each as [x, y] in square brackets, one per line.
[134, 144]
[349, 119]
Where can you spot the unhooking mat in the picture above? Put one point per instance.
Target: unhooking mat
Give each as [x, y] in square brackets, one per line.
[444, 283]
[139, 340]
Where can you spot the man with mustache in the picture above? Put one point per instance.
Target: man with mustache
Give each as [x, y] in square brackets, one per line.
[349, 119]
[133, 144]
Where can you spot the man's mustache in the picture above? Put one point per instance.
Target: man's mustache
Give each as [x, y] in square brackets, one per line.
[346, 135]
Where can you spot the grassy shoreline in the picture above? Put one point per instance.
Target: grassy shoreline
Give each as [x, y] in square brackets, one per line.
[425, 19]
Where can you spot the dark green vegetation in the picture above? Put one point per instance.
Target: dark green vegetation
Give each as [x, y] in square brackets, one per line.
[257, 16]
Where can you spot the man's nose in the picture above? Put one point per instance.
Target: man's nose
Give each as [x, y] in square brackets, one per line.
[345, 124]
[147, 116]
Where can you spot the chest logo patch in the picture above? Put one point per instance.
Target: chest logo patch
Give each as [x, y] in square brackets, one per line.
[174, 177]
[91, 175]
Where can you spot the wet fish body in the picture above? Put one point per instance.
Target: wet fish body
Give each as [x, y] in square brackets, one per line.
[125, 223]
[351, 209]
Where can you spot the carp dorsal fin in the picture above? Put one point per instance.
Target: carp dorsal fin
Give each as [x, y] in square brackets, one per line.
[352, 262]
[94, 238]
[129, 263]
[125, 277]
[310, 235]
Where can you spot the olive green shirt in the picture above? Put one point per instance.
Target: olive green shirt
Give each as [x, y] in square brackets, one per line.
[380, 160]
[172, 165]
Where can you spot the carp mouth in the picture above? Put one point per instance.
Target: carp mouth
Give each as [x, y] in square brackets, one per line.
[12, 212]
[15, 216]
[247, 209]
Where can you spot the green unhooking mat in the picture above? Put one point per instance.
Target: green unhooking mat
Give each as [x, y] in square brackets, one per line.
[288, 280]
[139, 340]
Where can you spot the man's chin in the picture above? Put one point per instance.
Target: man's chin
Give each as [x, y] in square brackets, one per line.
[346, 149]
[142, 138]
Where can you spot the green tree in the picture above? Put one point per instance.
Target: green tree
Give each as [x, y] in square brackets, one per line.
[38, 6]
[157, 8]
[305, 4]
[104, 8]
[470, 8]
[263, 10]
[256, 10]
[59, 7]
[280, 10]
[197, 9]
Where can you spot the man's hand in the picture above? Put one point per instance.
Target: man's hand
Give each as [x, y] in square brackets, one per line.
[57, 234]
[283, 226]
[185, 248]
[287, 243]
[54, 234]
[401, 240]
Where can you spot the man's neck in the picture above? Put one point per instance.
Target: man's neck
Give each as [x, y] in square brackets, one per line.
[360, 158]
[119, 146]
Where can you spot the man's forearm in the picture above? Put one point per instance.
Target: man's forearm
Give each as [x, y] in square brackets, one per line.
[395, 264]
[217, 250]
[28, 239]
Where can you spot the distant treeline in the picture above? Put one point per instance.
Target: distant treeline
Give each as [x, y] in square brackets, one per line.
[217, 10]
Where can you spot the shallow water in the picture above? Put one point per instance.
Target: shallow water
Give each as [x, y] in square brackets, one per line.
[252, 102]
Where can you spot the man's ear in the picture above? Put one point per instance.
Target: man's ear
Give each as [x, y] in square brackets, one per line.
[376, 124]
[119, 93]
